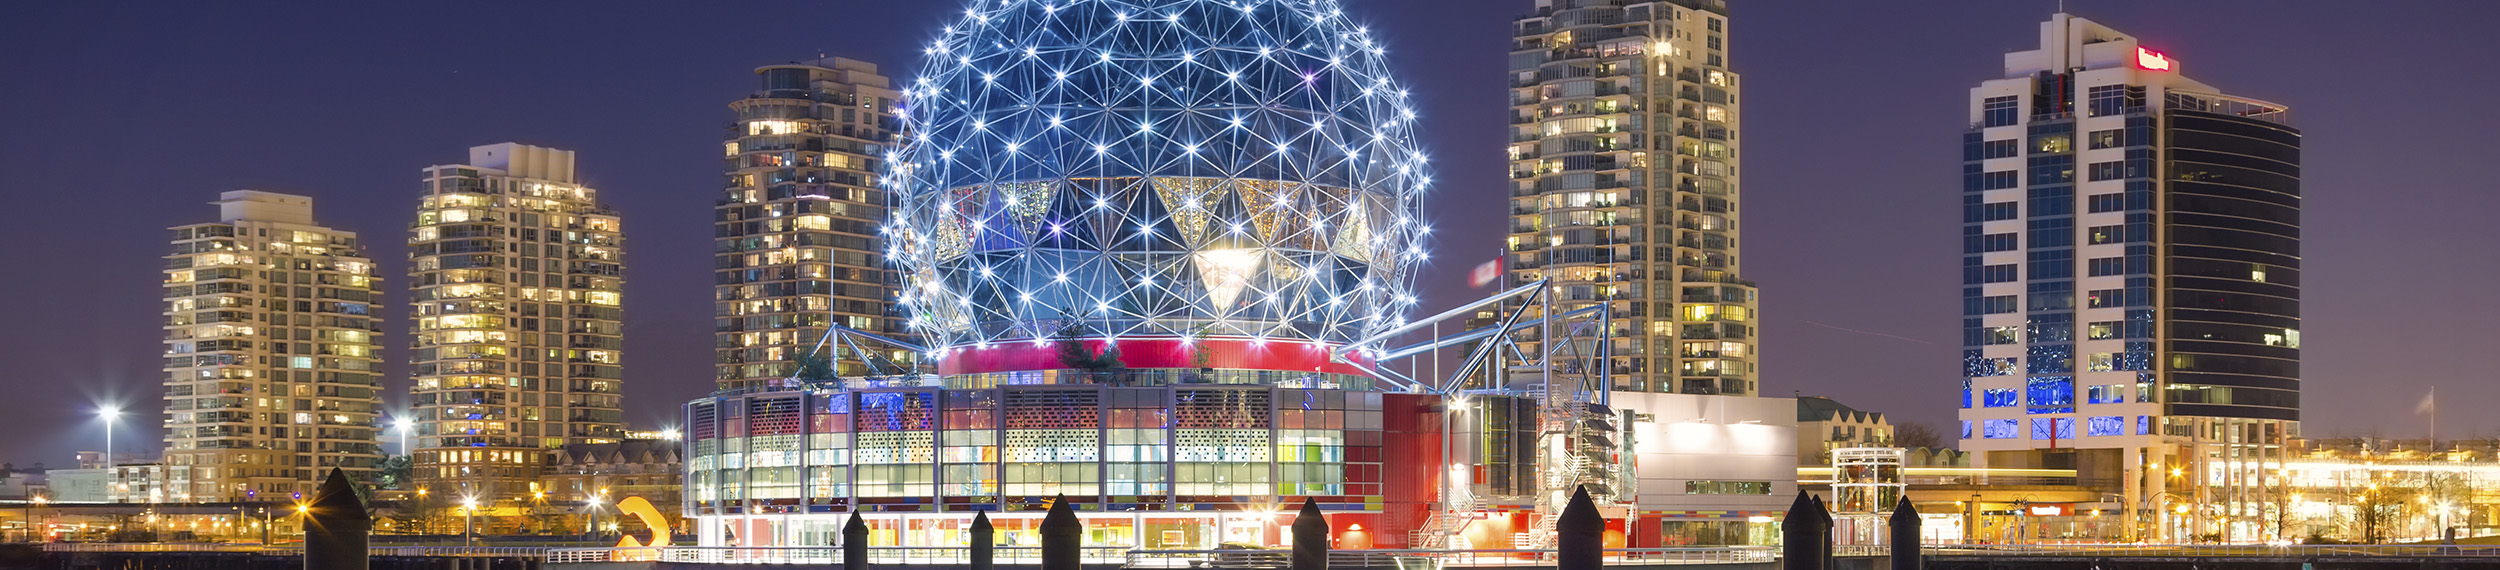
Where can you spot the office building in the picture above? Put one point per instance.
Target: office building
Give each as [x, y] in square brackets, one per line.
[2131, 269]
[270, 363]
[796, 227]
[1624, 185]
[515, 321]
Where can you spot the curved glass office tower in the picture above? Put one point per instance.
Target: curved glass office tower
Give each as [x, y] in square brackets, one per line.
[2131, 274]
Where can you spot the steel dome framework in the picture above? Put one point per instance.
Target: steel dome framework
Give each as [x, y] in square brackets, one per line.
[1155, 168]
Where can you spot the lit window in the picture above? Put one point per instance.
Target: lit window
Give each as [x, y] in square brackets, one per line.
[774, 127]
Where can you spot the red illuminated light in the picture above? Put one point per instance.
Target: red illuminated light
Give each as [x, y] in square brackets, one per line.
[2152, 60]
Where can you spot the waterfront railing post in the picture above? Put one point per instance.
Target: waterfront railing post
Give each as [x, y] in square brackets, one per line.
[336, 527]
[984, 542]
[1904, 528]
[1063, 537]
[1310, 537]
[855, 543]
[1805, 535]
[1580, 535]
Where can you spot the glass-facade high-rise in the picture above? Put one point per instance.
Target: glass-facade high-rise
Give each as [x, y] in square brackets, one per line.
[1624, 186]
[516, 324]
[270, 364]
[795, 230]
[2131, 282]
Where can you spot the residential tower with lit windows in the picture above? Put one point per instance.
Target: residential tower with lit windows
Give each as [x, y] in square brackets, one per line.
[795, 230]
[1623, 166]
[2131, 283]
[515, 322]
[270, 365]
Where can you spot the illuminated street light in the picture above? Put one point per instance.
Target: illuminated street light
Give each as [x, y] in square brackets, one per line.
[110, 412]
[592, 527]
[403, 426]
[468, 521]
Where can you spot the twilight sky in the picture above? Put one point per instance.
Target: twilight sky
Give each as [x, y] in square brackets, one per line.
[118, 119]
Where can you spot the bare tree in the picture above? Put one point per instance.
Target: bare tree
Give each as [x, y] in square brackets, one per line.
[1916, 434]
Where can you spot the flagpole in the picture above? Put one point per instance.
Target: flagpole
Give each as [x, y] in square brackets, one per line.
[2434, 419]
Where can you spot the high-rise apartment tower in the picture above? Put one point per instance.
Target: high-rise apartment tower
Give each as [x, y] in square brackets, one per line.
[795, 228]
[1624, 185]
[270, 367]
[515, 317]
[2131, 282]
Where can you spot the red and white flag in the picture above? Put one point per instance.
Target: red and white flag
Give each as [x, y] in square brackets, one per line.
[1489, 272]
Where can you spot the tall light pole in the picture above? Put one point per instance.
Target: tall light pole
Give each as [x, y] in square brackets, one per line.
[592, 529]
[110, 412]
[404, 426]
[468, 521]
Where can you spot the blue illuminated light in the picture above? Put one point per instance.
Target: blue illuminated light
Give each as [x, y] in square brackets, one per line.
[1132, 177]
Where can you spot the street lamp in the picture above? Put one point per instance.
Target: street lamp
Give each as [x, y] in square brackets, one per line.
[109, 412]
[593, 527]
[403, 426]
[468, 522]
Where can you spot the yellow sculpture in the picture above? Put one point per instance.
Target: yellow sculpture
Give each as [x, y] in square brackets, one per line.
[650, 517]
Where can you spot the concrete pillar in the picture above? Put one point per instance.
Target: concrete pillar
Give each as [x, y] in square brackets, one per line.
[855, 543]
[1310, 537]
[984, 542]
[1063, 537]
[1904, 530]
[336, 527]
[1580, 536]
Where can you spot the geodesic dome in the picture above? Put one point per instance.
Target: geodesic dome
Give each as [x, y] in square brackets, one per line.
[1145, 168]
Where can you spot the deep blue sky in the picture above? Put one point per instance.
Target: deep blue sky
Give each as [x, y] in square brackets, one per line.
[120, 118]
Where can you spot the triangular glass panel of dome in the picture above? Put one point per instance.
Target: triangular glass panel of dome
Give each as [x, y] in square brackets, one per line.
[1225, 272]
[1261, 198]
[1068, 223]
[1025, 204]
[1187, 200]
[1147, 225]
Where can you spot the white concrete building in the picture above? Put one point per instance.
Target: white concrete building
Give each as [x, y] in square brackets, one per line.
[1710, 469]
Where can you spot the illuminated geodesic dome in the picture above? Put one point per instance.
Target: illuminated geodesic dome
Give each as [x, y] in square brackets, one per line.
[1156, 168]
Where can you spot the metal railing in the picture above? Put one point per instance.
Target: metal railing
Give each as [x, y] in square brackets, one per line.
[1230, 558]
[877, 555]
[532, 552]
[158, 547]
[1439, 558]
[2214, 550]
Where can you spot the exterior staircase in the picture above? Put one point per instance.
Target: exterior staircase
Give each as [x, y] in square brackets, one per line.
[1439, 529]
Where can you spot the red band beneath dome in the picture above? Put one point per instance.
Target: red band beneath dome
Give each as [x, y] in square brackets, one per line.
[1226, 353]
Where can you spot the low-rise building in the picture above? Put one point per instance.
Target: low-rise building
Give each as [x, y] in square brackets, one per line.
[1709, 470]
[583, 482]
[1825, 424]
